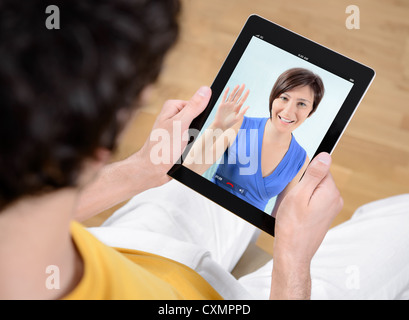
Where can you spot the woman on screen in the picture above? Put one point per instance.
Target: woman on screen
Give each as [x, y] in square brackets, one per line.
[260, 156]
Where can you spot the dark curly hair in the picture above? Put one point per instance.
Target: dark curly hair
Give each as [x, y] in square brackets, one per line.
[61, 89]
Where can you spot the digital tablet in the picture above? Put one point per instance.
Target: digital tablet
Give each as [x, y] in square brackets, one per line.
[278, 100]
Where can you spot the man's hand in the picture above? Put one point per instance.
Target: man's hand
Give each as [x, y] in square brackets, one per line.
[119, 181]
[168, 138]
[303, 219]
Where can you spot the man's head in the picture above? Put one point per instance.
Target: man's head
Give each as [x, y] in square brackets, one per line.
[62, 90]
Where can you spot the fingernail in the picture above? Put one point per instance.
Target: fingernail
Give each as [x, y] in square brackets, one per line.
[324, 157]
[203, 91]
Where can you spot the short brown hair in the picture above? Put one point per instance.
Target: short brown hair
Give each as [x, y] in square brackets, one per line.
[298, 77]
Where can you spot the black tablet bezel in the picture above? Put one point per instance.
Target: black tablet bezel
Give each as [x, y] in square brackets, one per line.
[306, 49]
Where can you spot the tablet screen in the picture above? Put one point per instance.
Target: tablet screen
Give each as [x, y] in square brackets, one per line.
[296, 105]
[259, 69]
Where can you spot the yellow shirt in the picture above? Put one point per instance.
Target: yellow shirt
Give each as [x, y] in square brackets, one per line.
[129, 274]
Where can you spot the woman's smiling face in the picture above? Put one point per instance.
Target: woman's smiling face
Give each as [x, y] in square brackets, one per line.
[291, 108]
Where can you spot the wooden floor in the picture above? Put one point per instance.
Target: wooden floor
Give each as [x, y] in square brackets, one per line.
[372, 159]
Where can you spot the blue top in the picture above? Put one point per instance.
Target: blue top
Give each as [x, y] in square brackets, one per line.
[240, 168]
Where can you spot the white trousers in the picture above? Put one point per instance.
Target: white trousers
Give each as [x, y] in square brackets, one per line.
[366, 257]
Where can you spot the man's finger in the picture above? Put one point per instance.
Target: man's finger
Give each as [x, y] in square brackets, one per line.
[172, 108]
[316, 172]
[196, 104]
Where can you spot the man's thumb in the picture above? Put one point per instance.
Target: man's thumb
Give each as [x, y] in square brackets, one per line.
[197, 103]
[316, 171]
